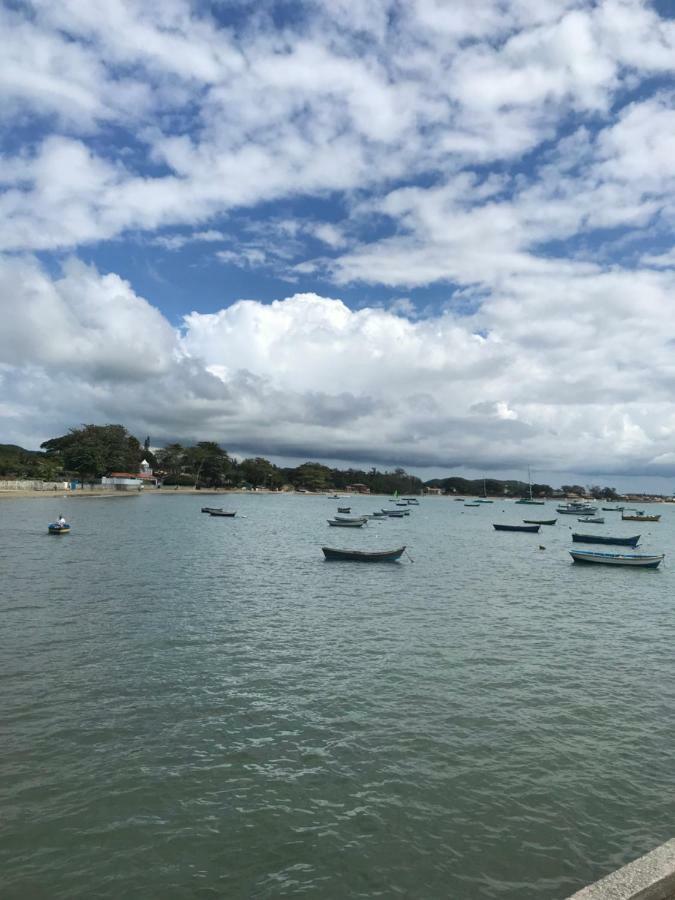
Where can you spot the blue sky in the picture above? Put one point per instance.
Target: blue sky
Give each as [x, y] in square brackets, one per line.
[434, 233]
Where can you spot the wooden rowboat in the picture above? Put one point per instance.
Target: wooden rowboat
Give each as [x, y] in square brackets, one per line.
[221, 512]
[212, 509]
[639, 560]
[342, 523]
[333, 554]
[540, 521]
[532, 529]
[603, 539]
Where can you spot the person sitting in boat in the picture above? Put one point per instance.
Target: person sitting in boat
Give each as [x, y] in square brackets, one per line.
[61, 521]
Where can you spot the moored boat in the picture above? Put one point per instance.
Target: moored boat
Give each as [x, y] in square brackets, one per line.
[351, 518]
[576, 509]
[612, 508]
[395, 513]
[592, 520]
[640, 517]
[472, 504]
[334, 554]
[540, 521]
[58, 528]
[532, 529]
[637, 560]
[631, 541]
[212, 509]
[222, 513]
[344, 509]
[339, 523]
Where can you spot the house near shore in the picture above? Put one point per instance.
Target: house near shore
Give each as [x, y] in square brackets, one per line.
[122, 481]
[129, 481]
[434, 491]
[358, 488]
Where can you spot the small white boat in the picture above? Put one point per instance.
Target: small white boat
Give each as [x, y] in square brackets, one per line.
[351, 518]
[592, 520]
[640, 560]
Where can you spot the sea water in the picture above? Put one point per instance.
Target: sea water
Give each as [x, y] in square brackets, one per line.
[198, 707]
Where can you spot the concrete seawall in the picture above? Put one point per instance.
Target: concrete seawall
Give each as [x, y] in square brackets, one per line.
[651, 877]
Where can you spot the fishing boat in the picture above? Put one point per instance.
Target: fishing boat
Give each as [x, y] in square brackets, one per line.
[592, 520]
[411, 501]
[612, 508]
[532, 529]
[222, 513]
[640, 560]
[333, 554]
[639, 517]
[212, 509]
[605, 539]
[57, 528]
[576, 509]
[476, 503]
[540, 521]
[338, 523]
[394, 513]
[351, 518]
[344, 509]
[530, 501]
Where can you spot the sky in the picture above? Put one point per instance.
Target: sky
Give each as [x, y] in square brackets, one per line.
[432, 233]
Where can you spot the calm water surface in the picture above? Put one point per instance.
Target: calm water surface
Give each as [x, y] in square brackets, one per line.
[197, 707]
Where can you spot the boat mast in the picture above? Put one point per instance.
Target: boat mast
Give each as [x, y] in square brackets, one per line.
[529, 481]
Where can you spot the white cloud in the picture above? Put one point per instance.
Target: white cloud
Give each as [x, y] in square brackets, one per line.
[560, 380]
[491, 145]
[232, 122]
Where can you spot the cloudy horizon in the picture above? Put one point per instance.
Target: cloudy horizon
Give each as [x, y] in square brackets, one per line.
[427, 234]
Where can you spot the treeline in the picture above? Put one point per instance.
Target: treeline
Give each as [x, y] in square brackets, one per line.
[92, 451]
[512, 488]
[89, 452]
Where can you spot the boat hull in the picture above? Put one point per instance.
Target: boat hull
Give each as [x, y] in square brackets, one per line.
[336, 523]
[606, 539]
[335, 555]
[531, 529]
[633, 560]
[531, 502]
[223, 515]
[58, 529]
[540, 521]
[640, 518]
[212, 509]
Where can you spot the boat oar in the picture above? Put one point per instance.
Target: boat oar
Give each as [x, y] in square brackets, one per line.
[409, 557]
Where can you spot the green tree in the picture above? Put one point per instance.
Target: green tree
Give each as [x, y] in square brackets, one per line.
[95, 450]
[170, 461]
[260, 472]
[210, 464]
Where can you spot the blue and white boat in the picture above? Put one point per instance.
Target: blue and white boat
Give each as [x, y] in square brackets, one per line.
[638, 560]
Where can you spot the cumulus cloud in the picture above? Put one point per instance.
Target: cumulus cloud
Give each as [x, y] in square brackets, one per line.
[339, 100]
[306, 375]
[521, 153]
